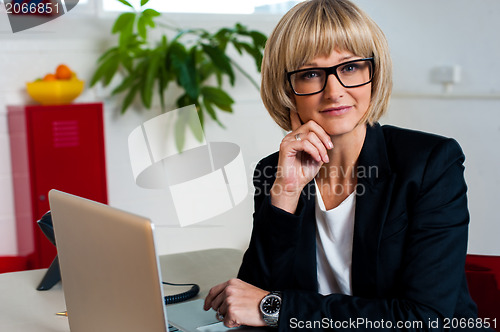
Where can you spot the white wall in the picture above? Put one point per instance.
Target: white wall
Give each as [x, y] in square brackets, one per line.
[422, 35]
[78, 41]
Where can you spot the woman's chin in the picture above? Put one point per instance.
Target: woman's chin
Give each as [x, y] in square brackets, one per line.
[344, 129]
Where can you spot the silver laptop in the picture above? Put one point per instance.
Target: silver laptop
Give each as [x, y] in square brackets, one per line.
[110, 271]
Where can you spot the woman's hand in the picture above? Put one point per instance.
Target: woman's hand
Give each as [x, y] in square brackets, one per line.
[237, 302]
[302, 153]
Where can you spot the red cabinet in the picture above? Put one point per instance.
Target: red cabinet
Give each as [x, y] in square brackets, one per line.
[53, 147]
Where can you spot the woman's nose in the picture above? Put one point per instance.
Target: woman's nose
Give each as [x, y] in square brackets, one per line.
[333, 88]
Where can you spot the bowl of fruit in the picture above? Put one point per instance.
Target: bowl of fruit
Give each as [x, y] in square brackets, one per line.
[59, 88]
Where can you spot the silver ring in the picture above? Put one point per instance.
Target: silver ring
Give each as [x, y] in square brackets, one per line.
[297, 137]
[219, 316]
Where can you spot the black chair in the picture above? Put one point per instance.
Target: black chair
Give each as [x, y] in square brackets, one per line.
[53, 274]
[483, 278]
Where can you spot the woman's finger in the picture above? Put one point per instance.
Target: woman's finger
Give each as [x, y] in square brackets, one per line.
[303, 141]
[212, 295]
[218, 302]
[319, 144]
[240, 304]
[307, 147]
[320, 132]
[303, 131]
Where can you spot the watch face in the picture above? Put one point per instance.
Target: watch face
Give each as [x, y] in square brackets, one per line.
[271, 305]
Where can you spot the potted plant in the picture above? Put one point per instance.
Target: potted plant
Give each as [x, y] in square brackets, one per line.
[194, 59]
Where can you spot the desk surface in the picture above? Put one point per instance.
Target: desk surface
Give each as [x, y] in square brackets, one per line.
[24, 309]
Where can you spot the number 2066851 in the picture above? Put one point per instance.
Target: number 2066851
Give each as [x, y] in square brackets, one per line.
[32, 8]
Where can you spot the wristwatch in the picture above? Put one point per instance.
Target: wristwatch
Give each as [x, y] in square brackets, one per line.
[270, 308]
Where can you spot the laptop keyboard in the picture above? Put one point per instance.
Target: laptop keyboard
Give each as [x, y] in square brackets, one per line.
[173, 329]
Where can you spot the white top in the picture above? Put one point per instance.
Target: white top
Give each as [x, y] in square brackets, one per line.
[334, 237]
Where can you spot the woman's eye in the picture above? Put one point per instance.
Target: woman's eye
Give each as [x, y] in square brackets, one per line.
[349, 68]
[310, 74]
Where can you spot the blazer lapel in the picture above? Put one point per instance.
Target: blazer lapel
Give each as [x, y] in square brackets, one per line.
[374, 189]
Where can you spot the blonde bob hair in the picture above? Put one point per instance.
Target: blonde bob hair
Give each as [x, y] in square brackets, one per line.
[314, 29]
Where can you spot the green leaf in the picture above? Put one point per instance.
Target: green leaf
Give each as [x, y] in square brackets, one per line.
[183, 65]
[126, 3]
[123, 22]
[164, 42]
[127, 61]
[148, 21]
[240, 28]
[110, 72]
[105, 71]
[259, 39]
[134, 48]
[129, 98]
[194, 124]
[237, 46]
[223, 36]
[211, 112]
[180, 131]
[143, 2]
[218, 97]
[184, 100]
[113, 52]
[162, 85]
[126, 34]
[150, 78]
[201, 116]
[210, 109]
[163, 76]
[141, 28]
[223, 33]
[150, 13]
[98, 74]
[255, 53]
[220, 60]
[218, 76]
[187, 120]
[127, 83]
[205, 70]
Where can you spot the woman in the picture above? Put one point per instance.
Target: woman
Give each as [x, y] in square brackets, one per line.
[355, 225]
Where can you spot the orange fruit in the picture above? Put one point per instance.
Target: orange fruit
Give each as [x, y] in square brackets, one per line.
[63, 72]
[50, 77]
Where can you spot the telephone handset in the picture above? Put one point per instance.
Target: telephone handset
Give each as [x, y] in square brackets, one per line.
[53, 275]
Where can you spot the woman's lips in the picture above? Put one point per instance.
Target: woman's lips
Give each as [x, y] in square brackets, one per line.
[336, 110]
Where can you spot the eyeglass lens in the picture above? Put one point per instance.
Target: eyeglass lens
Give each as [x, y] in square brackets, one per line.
[351, 74]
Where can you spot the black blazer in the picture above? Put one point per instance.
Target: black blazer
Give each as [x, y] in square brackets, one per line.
[409, 246]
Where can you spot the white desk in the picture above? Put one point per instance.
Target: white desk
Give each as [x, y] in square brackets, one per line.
[24, 309]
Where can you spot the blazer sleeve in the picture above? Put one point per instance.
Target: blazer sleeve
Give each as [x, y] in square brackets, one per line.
[274, 235]
[430, 277]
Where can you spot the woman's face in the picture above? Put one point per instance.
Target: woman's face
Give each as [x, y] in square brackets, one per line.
[337, 109]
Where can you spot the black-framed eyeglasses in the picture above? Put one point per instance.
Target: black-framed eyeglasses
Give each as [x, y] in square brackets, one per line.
[350, 74]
